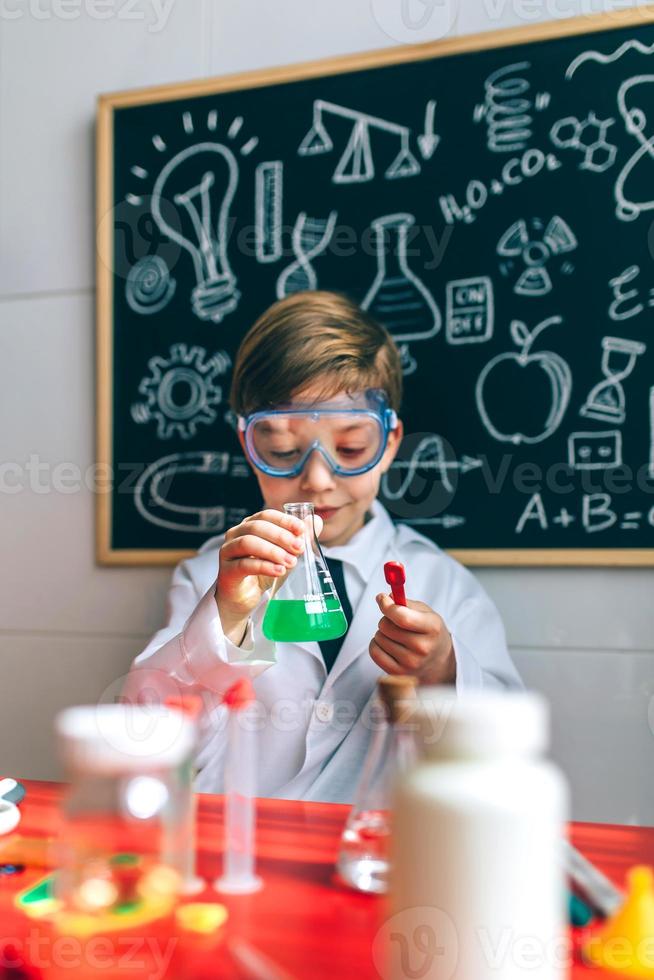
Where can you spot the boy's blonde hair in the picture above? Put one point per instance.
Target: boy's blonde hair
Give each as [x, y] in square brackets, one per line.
[308, 337]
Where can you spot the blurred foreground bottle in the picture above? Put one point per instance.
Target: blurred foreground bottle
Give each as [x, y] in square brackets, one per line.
[478, 889]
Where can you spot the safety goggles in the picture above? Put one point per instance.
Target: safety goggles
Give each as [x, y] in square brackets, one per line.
[351, 432]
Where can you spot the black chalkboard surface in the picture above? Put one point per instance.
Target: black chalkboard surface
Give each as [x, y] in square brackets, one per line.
[488, 198]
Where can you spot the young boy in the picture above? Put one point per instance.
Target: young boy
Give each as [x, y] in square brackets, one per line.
[319, 355]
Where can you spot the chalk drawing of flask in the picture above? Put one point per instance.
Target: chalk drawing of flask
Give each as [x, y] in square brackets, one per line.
[397, 297]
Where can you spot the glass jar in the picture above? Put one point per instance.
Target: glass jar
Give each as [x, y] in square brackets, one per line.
[124, 818]
[363, 860]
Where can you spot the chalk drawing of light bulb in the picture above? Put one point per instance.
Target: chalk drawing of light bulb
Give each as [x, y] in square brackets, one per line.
[200, 182]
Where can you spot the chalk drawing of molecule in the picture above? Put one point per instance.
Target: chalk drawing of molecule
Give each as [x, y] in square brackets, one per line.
[588, 136]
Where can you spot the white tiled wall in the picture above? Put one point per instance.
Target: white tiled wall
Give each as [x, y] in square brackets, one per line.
[68, 628]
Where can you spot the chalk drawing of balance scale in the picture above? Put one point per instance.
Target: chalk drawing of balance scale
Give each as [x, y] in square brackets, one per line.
[397, 297]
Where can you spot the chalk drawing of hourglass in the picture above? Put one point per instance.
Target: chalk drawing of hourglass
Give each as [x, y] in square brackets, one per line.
[397, 297]
[606, 401]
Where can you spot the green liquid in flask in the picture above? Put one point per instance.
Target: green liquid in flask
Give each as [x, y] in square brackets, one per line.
[287, 620]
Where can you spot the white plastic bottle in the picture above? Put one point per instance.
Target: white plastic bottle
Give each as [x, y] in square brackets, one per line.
[478, 890]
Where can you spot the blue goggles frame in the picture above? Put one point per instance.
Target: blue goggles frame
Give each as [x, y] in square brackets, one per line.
[374, 404]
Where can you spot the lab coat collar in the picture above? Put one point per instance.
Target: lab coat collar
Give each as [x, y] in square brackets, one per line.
[365, 551]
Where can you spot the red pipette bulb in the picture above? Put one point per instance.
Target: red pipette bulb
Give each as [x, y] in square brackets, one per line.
[396, 577]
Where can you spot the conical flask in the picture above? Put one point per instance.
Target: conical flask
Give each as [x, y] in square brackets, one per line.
[363, 858]
[304, 604]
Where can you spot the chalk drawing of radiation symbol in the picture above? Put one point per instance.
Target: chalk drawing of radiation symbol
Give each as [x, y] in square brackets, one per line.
[535, 245]
[180, 391]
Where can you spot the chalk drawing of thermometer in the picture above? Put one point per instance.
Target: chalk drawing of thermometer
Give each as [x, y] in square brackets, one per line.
[156, 482]
[311, 237]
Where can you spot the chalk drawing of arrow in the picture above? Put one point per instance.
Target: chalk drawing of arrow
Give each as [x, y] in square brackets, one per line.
[465, 464]
[429, 140]
[448, 521]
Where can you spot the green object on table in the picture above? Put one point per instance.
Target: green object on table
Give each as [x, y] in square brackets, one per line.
[127, 859]
[580, 914]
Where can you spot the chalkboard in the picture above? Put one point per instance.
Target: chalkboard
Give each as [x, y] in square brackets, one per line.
[488, 198]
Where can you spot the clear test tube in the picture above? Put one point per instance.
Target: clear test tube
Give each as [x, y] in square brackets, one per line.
[238, 877]
[192, 883]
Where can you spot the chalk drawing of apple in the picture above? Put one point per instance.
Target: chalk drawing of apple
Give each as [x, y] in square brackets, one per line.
[502, 372]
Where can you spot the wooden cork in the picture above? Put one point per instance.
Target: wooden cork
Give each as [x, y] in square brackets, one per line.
[398, 695]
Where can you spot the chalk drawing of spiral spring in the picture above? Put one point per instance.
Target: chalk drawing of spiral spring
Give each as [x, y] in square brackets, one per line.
[506, 110]
[311, 237]
[149, 285]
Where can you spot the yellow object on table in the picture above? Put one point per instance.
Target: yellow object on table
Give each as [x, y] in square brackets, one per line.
[201, 917]
[625, 944]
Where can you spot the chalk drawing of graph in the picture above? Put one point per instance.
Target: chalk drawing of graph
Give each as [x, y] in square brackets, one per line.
[430, 454]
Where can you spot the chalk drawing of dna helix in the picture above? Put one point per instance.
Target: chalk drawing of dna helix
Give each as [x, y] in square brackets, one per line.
[311, 237]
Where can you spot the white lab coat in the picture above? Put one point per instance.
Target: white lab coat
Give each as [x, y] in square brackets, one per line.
[313, 727]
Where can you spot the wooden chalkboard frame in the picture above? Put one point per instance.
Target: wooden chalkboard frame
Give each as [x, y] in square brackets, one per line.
[109, 103]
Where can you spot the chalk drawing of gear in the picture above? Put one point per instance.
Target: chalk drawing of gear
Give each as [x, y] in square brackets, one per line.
[180, 391]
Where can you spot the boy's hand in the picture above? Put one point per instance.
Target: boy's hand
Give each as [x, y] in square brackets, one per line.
[413, 639]
[254, 553]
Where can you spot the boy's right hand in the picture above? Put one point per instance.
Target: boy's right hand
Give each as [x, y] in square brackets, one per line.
[254, 553]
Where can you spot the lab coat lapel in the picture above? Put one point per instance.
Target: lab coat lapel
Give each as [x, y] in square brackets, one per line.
[362, 628]
[310, 646]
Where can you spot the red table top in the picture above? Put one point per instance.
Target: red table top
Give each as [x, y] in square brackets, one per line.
[303, 923]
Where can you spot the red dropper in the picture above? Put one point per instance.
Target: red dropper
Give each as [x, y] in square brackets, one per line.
[239, 695]
[396, 577]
